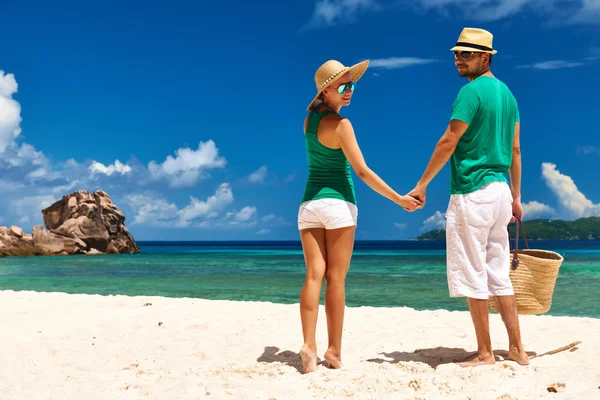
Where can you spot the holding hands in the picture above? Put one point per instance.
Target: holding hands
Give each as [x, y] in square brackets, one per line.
[414, 200]
[409, 203]
[419, 193]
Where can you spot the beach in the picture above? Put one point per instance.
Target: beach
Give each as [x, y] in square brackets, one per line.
[76, 346]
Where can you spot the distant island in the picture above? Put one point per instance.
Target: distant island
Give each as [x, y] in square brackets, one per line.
[544, 229]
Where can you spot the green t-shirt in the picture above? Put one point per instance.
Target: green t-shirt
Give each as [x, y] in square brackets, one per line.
[484, 152]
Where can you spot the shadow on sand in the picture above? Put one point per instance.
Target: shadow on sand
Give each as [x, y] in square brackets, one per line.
[435, 356]
[287, 357]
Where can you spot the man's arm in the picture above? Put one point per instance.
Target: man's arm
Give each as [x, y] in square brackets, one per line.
[515, 173]
[515, 168]
[443, 151]
[464, 109]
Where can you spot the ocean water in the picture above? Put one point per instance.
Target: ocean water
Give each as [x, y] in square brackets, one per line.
[382, 274]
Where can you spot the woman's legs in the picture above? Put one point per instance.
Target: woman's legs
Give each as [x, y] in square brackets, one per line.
[315, 256]
[340, 243]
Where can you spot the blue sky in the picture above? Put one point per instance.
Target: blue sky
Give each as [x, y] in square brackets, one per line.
[190, 115]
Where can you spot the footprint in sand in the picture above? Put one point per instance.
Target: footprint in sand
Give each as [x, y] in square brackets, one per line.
[198, 326]
[556, 387]
[143, 372]
[506, 396]
[127, 387]
[509, 370]
[415, 384]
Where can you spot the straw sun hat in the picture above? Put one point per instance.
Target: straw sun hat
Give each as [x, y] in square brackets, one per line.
[475, 39]
[331, 71]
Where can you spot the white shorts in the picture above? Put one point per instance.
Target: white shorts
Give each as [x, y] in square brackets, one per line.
[477, 242]
[327, 214]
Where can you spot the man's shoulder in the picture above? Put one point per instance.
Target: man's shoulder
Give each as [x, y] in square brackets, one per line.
[467, 90]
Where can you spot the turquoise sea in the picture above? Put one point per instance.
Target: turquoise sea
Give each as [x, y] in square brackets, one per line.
[382, 274]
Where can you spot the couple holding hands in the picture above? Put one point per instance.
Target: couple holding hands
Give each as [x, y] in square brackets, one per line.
[481, 142]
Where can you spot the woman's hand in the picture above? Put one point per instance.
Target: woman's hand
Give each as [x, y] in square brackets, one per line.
[409, 203]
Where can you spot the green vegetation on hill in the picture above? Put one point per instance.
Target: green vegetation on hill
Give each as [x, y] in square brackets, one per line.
[544, 229]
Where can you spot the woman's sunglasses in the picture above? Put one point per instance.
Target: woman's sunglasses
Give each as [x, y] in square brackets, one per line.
[344, 87]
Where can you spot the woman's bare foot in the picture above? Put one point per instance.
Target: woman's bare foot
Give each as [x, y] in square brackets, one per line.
[333, 359]
[477, 360]
[309, 359]
[520, 357]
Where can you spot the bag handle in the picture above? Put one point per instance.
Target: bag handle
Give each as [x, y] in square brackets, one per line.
[515, 262]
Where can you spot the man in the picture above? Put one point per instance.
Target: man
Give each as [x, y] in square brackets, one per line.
[482, 144]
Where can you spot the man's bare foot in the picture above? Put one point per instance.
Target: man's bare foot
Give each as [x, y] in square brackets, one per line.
[309, 359]
[476, 360]
[333, 359]
[520, 357]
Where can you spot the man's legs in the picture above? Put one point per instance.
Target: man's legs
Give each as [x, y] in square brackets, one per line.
[480, 316]
[470, 220]
[499, 284]
[508, 309]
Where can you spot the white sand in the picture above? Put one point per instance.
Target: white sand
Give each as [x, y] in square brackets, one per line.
[59, 346]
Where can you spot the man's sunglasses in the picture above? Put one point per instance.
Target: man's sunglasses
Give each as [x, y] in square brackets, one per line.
[344, 87]
[465, 55]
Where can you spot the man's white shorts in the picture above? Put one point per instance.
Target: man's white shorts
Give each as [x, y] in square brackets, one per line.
[477, 242]
[327, 214]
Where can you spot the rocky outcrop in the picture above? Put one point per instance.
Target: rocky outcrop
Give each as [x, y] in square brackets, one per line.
[79, 223]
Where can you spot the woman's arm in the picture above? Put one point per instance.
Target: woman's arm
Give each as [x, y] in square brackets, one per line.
[347, 139]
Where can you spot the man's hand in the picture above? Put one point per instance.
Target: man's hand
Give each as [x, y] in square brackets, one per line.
[409, 203]
[517, 209]
[419, 193]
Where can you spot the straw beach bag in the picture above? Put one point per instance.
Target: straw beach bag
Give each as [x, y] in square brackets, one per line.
[533, 274]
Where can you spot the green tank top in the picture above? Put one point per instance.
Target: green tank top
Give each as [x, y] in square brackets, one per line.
[329, 175]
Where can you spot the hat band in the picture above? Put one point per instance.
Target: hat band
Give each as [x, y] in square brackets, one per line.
[331, 77]
[475, 46]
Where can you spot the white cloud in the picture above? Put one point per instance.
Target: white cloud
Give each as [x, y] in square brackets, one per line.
[263, 231]
[483, 10]
[290, 177]
[39, 173]
[32, 206]
[29, 180]
[553, 64]
[259, 175]
[245, 214]
[332, 12]
[272, 220]
[118, 167]
[589, 13]
[188, 166]
[588, 149]
[269, 218]
[19, 156]
[10, 111]
[152, 211]
[400, 225]
[593, 54]
[535, 209]
[209, 208]
[66, 188]
[436, 221]
[568, 194]
[9, 186]
[398, 62]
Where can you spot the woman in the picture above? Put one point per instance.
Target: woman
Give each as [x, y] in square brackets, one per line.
[328, 214]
